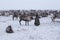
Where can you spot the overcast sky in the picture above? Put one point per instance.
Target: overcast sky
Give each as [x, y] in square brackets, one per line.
[29, 4]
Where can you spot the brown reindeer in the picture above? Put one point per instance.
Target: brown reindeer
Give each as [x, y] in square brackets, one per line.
[25, 18]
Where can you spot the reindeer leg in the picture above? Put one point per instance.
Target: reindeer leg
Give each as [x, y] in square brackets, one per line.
[53, 19]
[25, 23]
[13, 17]
[28, 23]
[20, 22]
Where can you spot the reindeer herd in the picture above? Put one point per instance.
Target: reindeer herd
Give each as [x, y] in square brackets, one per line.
[28, 18]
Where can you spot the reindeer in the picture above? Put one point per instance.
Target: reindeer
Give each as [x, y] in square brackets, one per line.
[56, 15]
[25, 18]
[15, 15]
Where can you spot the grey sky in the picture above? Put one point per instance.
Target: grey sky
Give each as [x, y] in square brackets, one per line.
[29, 4]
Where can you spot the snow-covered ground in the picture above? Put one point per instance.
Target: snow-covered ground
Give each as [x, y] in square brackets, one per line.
[47, 30]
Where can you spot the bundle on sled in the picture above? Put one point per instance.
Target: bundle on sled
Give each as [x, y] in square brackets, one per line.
[9, 29]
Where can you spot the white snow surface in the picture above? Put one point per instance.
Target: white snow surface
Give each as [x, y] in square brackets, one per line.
[47, 30]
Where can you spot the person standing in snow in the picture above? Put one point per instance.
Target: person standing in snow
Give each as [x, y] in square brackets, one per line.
[37, 22]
